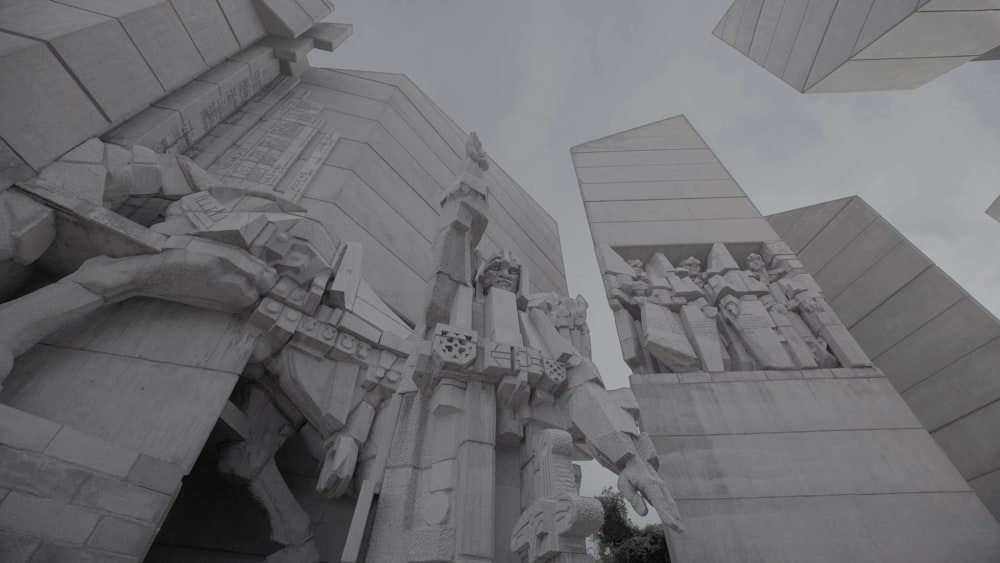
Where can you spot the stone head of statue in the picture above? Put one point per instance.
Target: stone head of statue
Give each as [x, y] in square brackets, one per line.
[692, 265]
[474, 151]
[731, 305]
[755, 263]
[502, 270]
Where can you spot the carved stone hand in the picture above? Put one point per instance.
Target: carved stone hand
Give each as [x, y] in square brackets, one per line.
[639, 481]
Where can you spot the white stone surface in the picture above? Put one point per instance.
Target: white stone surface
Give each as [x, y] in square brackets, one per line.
[53, 114]
[748, 529]
[772, 407]
[208, 29]
[165, 44]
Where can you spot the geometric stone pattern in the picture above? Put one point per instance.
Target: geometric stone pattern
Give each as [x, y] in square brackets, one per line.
[936, 344]
[782, 440]
[830, 46]
[72, 91]
[383, 180]
[68, 492]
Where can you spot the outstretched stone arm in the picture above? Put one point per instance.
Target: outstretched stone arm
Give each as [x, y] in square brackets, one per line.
[217, 278]
[611, 435]
[609, 432]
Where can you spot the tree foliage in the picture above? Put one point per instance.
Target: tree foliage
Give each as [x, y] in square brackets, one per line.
[621, 541]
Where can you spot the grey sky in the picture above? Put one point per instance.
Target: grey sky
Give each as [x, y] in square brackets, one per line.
[535, 77]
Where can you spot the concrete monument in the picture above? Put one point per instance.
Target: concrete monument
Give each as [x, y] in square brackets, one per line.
[781, 440]
[189, 293]
[829, 46]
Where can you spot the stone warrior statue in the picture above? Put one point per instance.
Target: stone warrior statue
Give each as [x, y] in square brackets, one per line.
[504, 396]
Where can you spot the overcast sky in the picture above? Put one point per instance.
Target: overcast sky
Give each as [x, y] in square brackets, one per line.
[536, 77]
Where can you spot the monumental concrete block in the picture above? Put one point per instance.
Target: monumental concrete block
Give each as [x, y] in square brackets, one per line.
[156, 474]
[886, 74]
[40, 475]
[771, 406]
[807, 43]
[935, 347]
[805, 464]
[837, 234]
[896, 317]
[682, 189]
[103, 58]
[785, 33]
[840, 38]
[165, 44]
[25, 431]
[46, 111]
[328, 36]
[79, 448]
[874, 242]
[198, 103]
[811, 221]
[882, 280]
[672, 209]
[243, 20]
[883, 17]
[123, 498]
[964, 386]
[937, 34]
[46, 518]
[283, 18]
[988, 489]
[854, 528]
[971, 441]
[123, 536]
[208, 29]
[156, 128]
[17, 548]
[171, 408]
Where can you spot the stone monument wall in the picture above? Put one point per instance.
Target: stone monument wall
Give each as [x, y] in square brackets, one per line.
[781, 440]
[936, 344]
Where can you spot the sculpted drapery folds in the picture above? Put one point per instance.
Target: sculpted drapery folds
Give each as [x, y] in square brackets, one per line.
[724, 317]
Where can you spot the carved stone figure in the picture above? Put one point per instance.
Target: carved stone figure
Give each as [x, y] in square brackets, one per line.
[747, 321]
[500, 379]
[318, 355]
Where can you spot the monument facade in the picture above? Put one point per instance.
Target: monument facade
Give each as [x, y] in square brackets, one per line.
[935, 343]
[780, 438]
[255, 311]
[822, 46]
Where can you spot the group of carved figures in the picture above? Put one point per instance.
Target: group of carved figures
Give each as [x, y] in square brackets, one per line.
[490, 367]
[770, 315]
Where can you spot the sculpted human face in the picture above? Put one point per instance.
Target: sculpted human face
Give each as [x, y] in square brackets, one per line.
[692, 265]
[732, 308]
[501, 275]
[755, 263]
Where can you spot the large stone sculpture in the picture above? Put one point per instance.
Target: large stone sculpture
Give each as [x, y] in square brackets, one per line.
[770, 315]
[323, 355]
[502, 376]
[491, 372]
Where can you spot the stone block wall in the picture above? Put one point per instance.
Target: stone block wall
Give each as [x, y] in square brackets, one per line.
[75, 69]
[66, 495]
[936, 344]
[813, 456]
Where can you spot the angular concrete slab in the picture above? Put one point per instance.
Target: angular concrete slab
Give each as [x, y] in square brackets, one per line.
[938, 345]
[772, 407]
[208, 29]
[964, 386]
[855, 528]
[165, 44]
[46, 112]
[806, 464]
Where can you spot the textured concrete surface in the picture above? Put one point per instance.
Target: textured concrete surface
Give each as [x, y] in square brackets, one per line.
[935, 343]
[829, 46]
